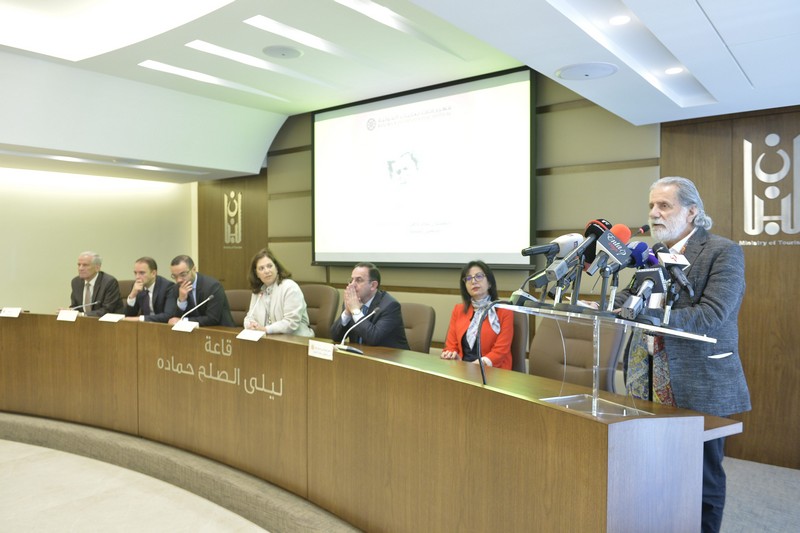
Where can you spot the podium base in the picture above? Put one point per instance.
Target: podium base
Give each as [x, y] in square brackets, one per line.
[603, 408]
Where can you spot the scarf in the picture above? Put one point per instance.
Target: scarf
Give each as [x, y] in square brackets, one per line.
[479, 307]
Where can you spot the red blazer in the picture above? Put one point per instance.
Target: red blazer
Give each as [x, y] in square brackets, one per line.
[496, 347]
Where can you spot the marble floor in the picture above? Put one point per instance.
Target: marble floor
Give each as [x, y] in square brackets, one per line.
[44, 490]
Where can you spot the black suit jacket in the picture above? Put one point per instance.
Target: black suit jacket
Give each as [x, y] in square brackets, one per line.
[384, 328]
[165, 302]
[217, 311]
[105, 293]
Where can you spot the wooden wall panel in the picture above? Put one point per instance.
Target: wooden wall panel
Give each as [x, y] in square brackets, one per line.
[229, 261]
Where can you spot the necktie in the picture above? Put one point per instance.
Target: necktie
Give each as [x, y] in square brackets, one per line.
[364, 309]
[146, 309]
[87, 297]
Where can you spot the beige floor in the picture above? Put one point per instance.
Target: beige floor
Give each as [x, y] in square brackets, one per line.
[44, 490]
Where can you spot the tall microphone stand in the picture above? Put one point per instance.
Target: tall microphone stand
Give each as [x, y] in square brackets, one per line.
[485, 313]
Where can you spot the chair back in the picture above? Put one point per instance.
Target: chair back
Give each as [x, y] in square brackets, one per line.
[322, 302]
[519, 343]
[419, 320]
[565, 351]
[125, 286]
[239, 300]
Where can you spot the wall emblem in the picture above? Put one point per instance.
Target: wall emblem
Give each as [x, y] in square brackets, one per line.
[771, 196]
[233, 217]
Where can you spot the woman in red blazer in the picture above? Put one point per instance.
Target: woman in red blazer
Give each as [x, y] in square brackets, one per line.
[478, 290]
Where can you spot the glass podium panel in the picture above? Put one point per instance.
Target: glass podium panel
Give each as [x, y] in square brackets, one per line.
[593, 404]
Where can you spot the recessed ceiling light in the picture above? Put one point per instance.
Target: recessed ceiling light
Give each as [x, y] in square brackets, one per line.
[586, 71]
[619, 20]
[674, 70]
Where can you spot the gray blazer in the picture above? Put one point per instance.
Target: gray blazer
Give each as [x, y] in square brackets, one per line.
[714, 386]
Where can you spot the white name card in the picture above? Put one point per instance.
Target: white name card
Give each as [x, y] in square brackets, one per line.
[111, 317]
[187, 326]
[68, 315]
[251, 335]
[10, 312]
[323, 350]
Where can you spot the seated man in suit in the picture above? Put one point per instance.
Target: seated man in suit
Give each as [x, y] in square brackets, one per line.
[152, 297]
[362, 296]
[94, 293]
[193, 289]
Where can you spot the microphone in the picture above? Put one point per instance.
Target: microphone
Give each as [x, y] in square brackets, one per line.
[558, 247]
[345, 347]
[648, 281]
[640, 253]
[611, 246]
[674, 263]
[84, 305]
[642, 230]
[594, 229]
[196, 306]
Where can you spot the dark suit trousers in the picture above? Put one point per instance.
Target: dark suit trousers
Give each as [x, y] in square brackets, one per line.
[713, 485]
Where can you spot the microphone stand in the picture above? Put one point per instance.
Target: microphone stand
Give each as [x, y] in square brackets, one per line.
[347, 348]
[196, 307]
[478, 336]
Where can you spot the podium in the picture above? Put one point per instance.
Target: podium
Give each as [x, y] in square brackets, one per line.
[592, 403]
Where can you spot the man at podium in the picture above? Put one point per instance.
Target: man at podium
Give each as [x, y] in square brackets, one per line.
[701, 376]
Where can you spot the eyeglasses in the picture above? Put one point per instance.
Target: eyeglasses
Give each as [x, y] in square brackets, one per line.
[182, 275]
[264, 268]
[477, 277]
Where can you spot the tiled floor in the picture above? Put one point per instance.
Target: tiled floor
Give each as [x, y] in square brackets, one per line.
[44, 490]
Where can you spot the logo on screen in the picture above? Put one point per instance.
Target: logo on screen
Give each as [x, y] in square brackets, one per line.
[233, 217]
[771, 187]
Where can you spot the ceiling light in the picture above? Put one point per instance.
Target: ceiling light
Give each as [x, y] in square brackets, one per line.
[76, 30]
[394, 20]
[673, 70]
[205, 78]
[252, 61]
[299, 36]
[619, 20]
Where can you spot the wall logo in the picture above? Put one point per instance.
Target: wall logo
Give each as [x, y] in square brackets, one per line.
[771, 197]
[233, 217]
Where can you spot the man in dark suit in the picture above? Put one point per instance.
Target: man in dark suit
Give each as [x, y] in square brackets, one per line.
[695, 375]
[152, 297]
[94, 293]
[362, 296]
[193, 289]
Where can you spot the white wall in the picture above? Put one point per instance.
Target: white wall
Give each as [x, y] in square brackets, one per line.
[47, 219]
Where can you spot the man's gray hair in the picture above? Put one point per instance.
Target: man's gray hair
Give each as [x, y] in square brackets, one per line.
[96, 259]
[687, 197]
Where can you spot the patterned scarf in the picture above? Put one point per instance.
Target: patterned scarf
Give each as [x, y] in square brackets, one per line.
[479, 306]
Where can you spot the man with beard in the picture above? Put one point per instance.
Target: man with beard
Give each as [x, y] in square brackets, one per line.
[695, 375]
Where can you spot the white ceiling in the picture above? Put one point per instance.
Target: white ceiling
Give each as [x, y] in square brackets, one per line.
[740, 55]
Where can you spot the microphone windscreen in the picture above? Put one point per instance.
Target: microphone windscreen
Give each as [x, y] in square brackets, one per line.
[621, 232]
[639, 252]
[594, 228]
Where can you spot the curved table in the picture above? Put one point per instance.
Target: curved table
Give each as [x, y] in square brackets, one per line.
[389, 441]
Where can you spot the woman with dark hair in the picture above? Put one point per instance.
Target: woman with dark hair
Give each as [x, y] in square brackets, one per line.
[478, 290]
[277, 304]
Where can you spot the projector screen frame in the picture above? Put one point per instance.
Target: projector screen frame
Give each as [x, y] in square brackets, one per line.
[525, 264]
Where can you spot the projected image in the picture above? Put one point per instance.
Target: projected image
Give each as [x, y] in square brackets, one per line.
[431, 171]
